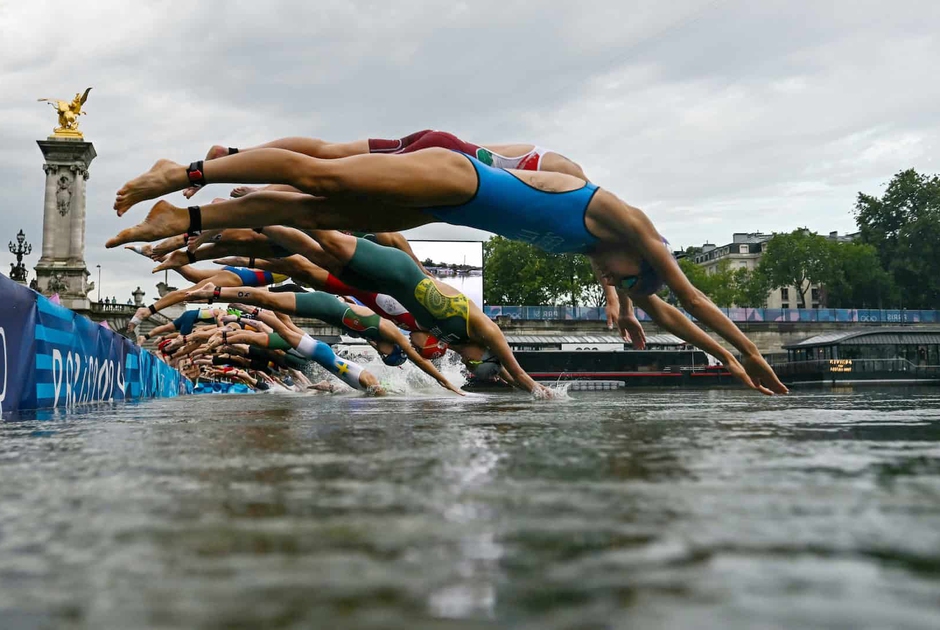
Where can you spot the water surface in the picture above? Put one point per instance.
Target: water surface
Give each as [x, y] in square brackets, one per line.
[623, 509]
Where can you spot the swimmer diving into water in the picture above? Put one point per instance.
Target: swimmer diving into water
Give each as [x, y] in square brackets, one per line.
[556, 212]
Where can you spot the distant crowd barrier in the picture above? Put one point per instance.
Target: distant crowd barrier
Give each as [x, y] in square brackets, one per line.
[52, 357]
[846, 315]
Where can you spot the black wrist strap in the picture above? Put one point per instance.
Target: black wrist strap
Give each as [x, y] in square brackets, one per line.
[195, 175]
[251, 262]
[195, 221]
[152, 309]
[232, 150]
[190, 256]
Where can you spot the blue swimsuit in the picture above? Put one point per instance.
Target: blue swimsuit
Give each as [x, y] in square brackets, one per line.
[506, 205]
[256, 277]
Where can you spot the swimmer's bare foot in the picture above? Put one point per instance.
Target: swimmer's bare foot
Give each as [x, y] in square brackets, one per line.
[241, 191]
[162, 178]
[144, 250]
[207, 236]
[169, 245]
[174, 261]
[202, 293]
[163, 220]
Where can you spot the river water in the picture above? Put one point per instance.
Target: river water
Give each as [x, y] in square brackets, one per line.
[622, 509]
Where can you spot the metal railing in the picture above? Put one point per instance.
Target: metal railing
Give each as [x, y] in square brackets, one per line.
[103, 307]
[739, 315]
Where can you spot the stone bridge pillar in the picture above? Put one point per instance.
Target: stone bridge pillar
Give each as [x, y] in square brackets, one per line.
[61, 268]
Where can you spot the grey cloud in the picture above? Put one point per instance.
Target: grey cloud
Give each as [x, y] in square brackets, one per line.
[712, 116]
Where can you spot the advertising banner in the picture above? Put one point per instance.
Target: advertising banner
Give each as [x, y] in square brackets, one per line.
[53, 357]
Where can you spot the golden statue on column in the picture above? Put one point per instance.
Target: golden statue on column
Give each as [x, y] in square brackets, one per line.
[68, 112]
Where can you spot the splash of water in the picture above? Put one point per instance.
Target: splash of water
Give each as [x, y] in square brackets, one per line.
[404, 380]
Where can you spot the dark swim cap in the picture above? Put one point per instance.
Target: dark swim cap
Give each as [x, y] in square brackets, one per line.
[395, 357]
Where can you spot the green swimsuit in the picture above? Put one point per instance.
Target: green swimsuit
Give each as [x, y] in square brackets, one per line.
[392, 271]
[325, 307]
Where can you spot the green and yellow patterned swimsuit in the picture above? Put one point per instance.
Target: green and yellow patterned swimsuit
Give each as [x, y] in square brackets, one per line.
[392, 271]
[326, 307]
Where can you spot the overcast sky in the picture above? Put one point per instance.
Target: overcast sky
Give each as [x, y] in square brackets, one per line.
[713, 116]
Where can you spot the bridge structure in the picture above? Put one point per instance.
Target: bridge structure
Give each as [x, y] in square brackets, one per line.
[769, 329]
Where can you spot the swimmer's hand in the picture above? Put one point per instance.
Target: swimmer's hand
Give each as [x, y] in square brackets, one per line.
[631, 330]
[613, 314]
[755, 379]
[543, 392]
[448, 385]
[763, 377]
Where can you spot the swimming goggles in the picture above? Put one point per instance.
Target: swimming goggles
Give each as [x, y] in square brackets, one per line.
[628, 282]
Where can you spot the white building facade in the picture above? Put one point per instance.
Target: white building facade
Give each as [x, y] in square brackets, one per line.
[745, 251]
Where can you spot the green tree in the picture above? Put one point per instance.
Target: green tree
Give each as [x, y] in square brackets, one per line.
[903, 225]
[515, 273]
[858, 279]
[751, 288]
[800, 259]
[521, 274]
[719, 285]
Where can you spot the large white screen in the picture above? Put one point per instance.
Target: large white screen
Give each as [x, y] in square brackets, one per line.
[466, 255]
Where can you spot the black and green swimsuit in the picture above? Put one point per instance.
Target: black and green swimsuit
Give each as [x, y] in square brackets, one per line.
[325, 307]
[392, 271]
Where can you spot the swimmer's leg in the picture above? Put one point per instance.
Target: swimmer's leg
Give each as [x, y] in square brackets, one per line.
[425, 178]
[273, 208]
[349, 372]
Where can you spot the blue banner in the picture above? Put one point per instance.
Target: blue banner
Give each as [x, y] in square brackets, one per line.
[53, 357]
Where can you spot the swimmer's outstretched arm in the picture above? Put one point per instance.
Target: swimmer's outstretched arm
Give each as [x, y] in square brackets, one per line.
[391, 332]
[619, 310]
[640, 232]
[681, 326]
[486, 332]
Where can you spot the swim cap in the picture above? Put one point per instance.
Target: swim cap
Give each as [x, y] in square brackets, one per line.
[433, 348]
[395, 357]
[487, 367]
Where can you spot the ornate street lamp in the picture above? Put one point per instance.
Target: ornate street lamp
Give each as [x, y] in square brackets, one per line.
[18, 271]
